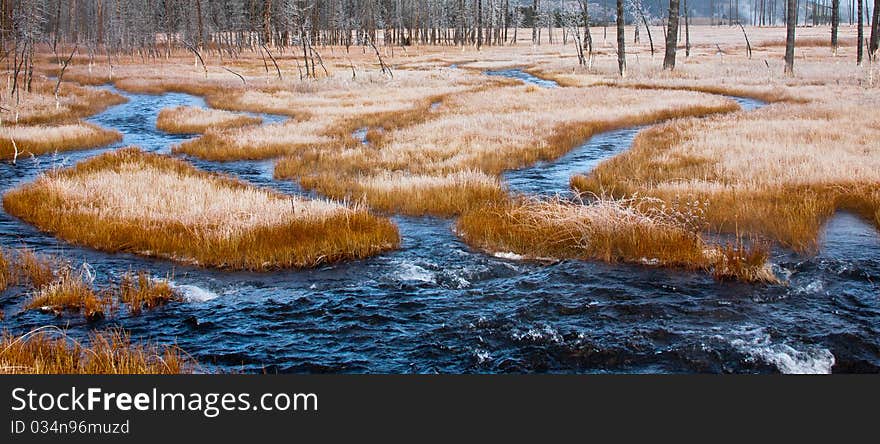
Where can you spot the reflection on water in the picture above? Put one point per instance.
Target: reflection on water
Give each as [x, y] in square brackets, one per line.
[437, 306]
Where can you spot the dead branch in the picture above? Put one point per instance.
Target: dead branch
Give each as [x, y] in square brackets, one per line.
[748, 45]
[199, 56]
[237, 74]
[61, 73]
[274, 62]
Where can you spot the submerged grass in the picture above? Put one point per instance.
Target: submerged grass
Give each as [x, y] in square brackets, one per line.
[57, 288]
[69, 292]
[37, 270]
[7, 276]
[140, 291]
[155, 205]
[50, 351]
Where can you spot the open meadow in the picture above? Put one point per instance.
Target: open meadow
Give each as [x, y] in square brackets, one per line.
[445, 208]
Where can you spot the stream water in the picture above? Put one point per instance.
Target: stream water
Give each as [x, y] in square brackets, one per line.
[435, 305]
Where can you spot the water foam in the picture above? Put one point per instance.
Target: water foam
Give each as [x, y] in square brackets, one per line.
[787, 359]
[192, 293]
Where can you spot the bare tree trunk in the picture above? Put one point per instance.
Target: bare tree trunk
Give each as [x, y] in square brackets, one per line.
[621, 40]
[479, 24]
[687, 30]
[861, 33]
[790, 23]
[267, 22]
[200, 27]
[875, 31]
[647, 27]
[671, 35]
[534, 21]
[835, 22]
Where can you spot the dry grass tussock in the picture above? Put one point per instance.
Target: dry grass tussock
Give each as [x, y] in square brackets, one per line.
[41, 139]
[451, 161]
[155, 205]
[50, 351]
[192, 120]
[779, 171]
[7, 275]
[69, 292]
[140, 290]
[607, 230]
[35, 269]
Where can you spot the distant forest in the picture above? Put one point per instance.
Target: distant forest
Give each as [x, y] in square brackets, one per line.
[153, 25]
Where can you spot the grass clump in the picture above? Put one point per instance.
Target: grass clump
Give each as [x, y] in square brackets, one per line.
[38, 270]
[140, 291]
[107, 352]
[156, 205]
[68, 292]
[7, 276]
[192, 120]
[606, 230]
[42, 139]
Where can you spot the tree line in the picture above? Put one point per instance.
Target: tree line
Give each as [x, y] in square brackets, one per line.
[155, 28]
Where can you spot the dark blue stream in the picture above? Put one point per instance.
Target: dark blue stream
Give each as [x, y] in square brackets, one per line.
[435, 305]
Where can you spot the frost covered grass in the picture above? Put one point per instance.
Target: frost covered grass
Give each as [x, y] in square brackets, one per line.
[41, 139]
[51, 351]
[608, 230]
[35, 122]
[257, 142]
[193, 120]
[452, 160]
[39, 106]
[325, 113]
[780, 171]
[155, 205]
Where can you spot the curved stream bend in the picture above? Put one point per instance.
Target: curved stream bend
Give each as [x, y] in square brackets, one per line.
[437, 306]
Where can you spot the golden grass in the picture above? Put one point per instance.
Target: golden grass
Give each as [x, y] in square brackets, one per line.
[326, 113]
[605, 230]
[44, 351]
[68, 292]
[192, 120]
[38, 270]
[40, 107]
[780, 171]
[7, 276]
[155, 205]
[42, 139]
[141, 291]
[450, 162]
[255, 143]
